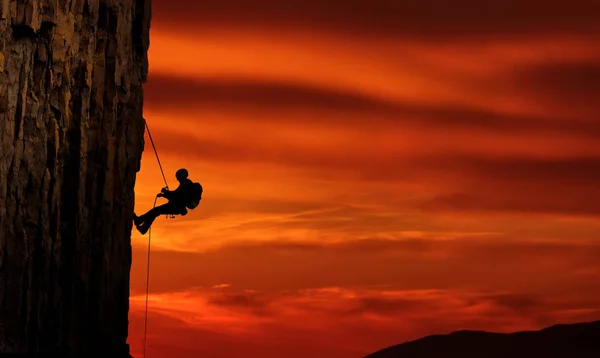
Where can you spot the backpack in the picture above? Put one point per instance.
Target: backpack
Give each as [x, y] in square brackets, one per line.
[195, 196]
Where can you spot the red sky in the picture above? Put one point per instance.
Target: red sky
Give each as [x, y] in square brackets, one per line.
[373, 173]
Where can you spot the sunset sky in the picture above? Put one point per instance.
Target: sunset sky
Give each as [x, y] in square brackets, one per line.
[373, 173]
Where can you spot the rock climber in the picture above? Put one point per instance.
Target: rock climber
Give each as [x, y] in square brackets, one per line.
[187, 196]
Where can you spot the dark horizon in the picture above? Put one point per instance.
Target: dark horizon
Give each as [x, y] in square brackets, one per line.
[581, 340]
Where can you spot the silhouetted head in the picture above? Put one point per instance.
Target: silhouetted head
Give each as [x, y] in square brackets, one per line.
[181, 174]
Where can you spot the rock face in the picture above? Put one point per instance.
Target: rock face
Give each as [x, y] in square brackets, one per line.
[561, 341]
[71, 139]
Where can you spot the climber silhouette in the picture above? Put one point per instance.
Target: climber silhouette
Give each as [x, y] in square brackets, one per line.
[187, 196]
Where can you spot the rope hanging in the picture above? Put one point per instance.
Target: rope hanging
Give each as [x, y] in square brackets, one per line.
[149, 241]
[156, 153]
[148, 283]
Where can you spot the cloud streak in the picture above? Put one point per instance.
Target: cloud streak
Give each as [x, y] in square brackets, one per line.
[337, 317]
[271, 99]
[434, 19]
[442, 261]
[464, 181]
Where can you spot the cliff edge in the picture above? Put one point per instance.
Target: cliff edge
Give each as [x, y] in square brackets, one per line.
[71, 140]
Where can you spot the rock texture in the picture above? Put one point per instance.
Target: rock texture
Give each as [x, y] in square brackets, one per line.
[580, 340]
[71, 139]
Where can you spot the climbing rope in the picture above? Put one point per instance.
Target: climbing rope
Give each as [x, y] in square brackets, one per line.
[148, 283]
[149, 241]
[156, 153]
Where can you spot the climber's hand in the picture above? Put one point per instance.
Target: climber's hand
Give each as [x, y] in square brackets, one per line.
[160, 195]
[164, 190]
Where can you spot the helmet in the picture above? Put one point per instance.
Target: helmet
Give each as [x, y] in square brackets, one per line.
[181, 174]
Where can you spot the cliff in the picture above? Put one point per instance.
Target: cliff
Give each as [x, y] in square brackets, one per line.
[580, 340]
[71, 139]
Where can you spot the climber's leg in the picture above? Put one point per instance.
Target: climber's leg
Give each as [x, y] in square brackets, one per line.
[136, 220]
[155, 212]
[145, 225]
[148, 218]
[143, 229]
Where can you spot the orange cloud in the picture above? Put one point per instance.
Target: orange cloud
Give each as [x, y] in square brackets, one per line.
[266, 101]
[333, 320]
[538, 264]
[394, 70]
[437, 20]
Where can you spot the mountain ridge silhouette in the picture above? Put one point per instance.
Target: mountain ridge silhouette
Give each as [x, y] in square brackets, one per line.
[577, 340]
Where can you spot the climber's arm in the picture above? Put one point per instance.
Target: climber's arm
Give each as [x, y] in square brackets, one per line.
[166, 193]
